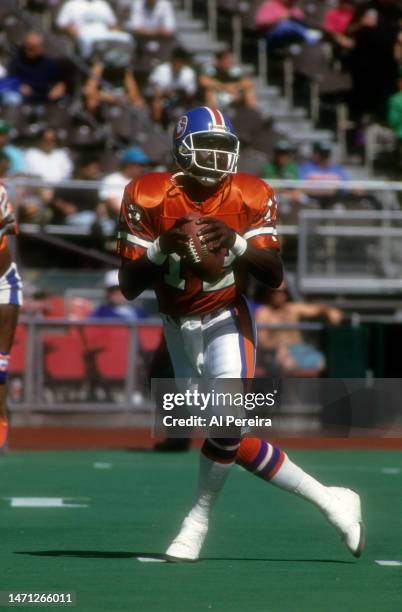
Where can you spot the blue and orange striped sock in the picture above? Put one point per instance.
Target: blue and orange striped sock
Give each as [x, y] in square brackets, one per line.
[272, 464]
[260, 457]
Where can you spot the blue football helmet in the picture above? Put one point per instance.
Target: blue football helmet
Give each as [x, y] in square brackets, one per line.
[205, 145]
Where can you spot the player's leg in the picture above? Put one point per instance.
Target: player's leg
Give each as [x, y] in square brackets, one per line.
[8, 323]
[10, 301]
[216, 458]
[185, 345]
[229, 352]
[340, 506]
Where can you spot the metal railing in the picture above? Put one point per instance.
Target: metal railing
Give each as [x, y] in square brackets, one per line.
[56, 365]
[350, 252]
[360, 210]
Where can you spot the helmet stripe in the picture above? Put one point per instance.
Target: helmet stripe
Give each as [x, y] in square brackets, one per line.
[222, 117]
[211, 114]
[218, 117]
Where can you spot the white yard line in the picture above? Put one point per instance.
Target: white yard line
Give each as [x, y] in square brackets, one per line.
[389, 563]
[101, 465]
[47, 502]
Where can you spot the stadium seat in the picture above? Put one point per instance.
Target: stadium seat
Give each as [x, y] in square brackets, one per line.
[109, 345]
[63, 356]
[149, 337]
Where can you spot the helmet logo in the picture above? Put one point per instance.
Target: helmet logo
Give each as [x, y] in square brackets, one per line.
[181, 126]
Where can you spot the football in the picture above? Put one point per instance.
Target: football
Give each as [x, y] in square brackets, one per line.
[207, 264]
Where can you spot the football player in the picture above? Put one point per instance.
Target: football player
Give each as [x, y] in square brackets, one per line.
[208, 327]
[10, 302]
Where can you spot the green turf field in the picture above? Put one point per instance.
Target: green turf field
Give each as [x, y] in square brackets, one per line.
[266, 550]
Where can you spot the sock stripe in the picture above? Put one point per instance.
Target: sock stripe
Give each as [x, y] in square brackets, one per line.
[266, 459]
[217, 453]
[278, 466]
[273, 464]
[260, 458]
[231, 447]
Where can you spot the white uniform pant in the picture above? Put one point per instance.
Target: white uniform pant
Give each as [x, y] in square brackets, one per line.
[217, 345]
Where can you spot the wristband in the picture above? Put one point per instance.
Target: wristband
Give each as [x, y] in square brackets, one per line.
[240, 246]
[155, 254]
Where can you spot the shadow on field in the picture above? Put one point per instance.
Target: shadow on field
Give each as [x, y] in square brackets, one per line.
[100, 554]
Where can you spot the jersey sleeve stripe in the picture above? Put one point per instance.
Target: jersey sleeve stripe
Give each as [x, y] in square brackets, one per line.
[134, 239]
[259, 231]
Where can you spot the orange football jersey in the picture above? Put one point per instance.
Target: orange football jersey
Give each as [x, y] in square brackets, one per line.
[153, 203]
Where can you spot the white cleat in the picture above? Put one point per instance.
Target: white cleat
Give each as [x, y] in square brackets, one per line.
[188, 543]
[344, 513]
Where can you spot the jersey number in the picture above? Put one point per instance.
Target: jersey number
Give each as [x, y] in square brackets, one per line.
[173, 278]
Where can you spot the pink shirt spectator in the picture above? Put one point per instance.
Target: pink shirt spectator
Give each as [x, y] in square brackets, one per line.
[272, 11]
[337, 20]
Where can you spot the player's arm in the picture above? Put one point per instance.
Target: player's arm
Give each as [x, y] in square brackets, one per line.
[264, 263]
[317, 311]
[258, 247]
[136, 276]
[140, 274]
[142, 251]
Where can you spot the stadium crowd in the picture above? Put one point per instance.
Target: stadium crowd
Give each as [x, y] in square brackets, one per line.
[94, 97]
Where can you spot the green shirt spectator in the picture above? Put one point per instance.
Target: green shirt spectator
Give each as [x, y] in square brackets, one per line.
[395, 112]
[282, 166]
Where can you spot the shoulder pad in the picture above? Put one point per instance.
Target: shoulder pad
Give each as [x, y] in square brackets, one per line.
[149, 190]
[254, 190]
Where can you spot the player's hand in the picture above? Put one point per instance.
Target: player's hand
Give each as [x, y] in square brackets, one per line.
[174, 240]
[216, 233]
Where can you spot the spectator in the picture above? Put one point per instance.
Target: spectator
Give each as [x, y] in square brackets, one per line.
[282, 23]
[151, 19]
[111, 85]
[395, 119]
[39, 77]
[321, 168]
[115, 305]
[373, 60]
[337, 20]
[4, 164]
[15, 155]
[89, 22]
[46, 160]
[172, 83]
[133, 164]
[283, 166]
[78, 206]
[285, 351]
[225, 83]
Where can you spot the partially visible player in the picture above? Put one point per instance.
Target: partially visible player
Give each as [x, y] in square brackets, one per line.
[10, 302]
[208, 327]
